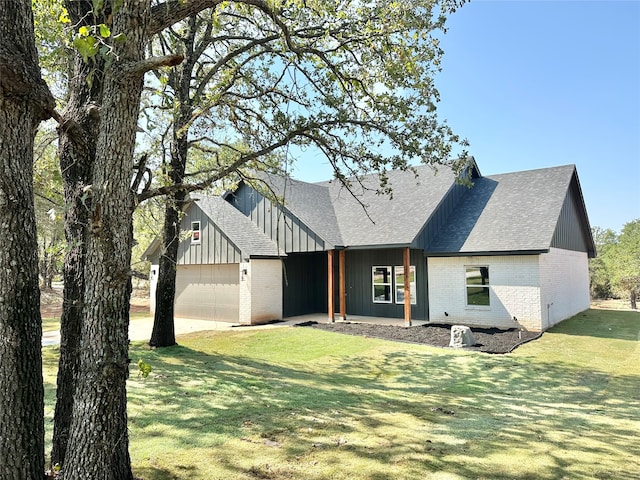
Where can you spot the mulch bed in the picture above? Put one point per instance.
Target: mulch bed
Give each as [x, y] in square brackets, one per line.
[489, 340]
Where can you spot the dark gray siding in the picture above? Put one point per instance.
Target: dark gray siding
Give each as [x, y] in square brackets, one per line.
[291, 234]
[215, 247]
[570, 231]
[440, 216]
[304, 284]
[359, 283]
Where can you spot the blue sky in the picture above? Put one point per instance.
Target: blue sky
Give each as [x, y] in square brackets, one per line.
[533, 84]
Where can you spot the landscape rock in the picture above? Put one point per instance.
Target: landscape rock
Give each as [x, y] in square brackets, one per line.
[461, 336]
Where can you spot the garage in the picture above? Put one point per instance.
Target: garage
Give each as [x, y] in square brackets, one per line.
[208, 292]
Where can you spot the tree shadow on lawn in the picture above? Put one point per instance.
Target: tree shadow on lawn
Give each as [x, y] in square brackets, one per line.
[615, 324]
[408, 413]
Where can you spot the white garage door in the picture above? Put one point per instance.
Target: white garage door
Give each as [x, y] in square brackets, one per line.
[209, 292]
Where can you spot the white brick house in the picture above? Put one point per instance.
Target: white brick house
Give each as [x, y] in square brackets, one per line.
[511, 251]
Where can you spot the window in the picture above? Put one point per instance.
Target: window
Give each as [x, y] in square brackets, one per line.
[195, 232]
[381, 284]
[384, 283]
[399, 271]
[477, 282]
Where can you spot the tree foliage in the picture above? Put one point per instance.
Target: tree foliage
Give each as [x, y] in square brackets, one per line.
[622, 263]
[351, 80]
[615, 272]
[600, 281]
[49, 207]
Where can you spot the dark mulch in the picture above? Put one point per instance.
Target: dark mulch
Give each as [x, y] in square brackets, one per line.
[489, 340]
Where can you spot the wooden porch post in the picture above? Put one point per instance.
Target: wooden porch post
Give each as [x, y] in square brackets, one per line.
[407, 286]
[330, 287]
[343, 289]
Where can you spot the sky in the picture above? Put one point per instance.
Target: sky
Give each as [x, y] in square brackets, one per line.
[535, 84]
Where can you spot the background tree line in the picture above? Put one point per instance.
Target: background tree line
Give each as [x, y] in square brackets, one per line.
[615, 272]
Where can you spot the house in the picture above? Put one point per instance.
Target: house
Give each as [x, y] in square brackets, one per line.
[511, 250]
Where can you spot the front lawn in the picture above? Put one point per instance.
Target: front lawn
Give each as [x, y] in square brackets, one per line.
[300, 403]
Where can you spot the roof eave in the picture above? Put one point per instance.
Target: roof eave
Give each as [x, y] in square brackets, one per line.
[486, 253]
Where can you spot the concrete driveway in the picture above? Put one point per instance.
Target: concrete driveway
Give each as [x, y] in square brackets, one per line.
[140, 329]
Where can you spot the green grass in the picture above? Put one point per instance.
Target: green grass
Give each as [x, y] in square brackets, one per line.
[50, 324]
[305, 404]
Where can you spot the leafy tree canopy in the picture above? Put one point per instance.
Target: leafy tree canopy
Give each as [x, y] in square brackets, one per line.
[352, 80]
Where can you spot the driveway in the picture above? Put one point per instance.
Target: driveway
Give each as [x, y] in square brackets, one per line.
[140, 329]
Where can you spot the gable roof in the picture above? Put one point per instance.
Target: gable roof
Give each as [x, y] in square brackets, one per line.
[309, 202]
[512, 212]
[359, 216]
[239, 229]
[367, 218]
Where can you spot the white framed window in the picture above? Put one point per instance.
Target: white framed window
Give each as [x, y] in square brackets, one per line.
[195, 232]
[399, 279]
[477, 286]
[381, 280]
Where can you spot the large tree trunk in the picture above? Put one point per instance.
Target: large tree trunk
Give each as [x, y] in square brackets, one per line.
[77, 147]
[24, 102]
[163, 334]
[98, 444]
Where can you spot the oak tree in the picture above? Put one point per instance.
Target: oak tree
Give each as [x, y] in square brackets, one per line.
[25, 101]
[349, 81]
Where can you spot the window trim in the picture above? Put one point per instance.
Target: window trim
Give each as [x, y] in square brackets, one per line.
[389, 270]
[467, 286]
[412, 291]
[196, 233]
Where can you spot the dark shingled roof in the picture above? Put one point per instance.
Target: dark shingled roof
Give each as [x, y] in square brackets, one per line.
[511, 212]
[310, 202]
[241, 230]
[500, 214]
[372, 219]
[364, 217]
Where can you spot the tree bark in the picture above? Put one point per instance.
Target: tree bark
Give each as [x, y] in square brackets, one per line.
[25, 100]
[76, 149]
[163, 333]
[98, 441]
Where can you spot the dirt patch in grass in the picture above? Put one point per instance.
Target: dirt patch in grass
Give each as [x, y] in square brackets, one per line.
[489, 340]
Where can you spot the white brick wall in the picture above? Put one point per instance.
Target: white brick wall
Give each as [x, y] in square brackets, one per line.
[514, 292]
[260, 291]
[565, 284]
[153, 283]
[521, 286]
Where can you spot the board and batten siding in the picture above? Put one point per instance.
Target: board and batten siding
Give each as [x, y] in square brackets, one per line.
[440, 216]
[359, 283]
[570, 231]
[304, 286]
[278, 223]
[214, 248]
